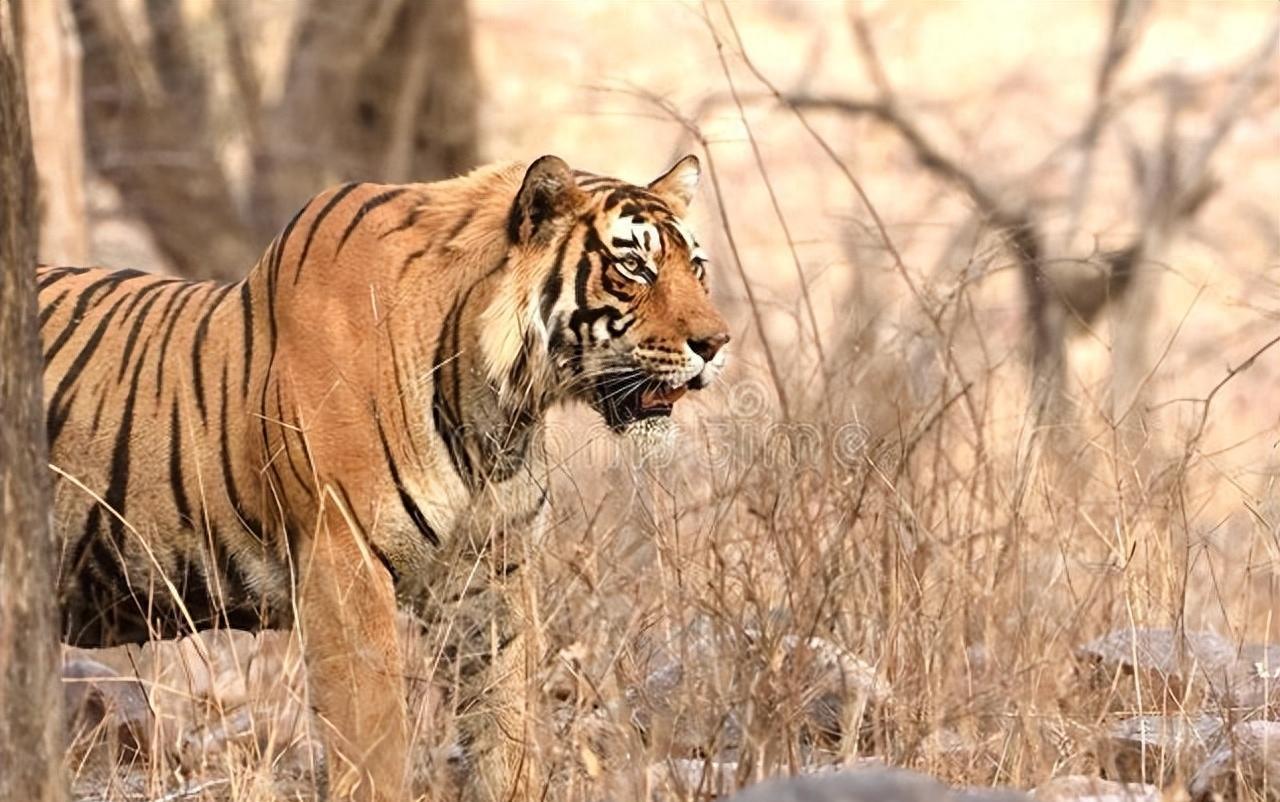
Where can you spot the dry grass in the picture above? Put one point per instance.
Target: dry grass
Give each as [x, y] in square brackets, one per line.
[907, 509]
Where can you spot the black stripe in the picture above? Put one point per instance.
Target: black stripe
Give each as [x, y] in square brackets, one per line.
[315, 224]
[285, 429]
[97, 413]
[514, 218]
[461, 224]
[176, 303]
[58, 409]
[131, 340]
[418, 254]
[386, 563]
[456, 365]
[409, 221]
[246, 303]
[272, 327]
[555, 281]
[447, 420]
[48, 309]
[598, 181]
[642, 198]
[273, 476]
[590, 240]
[197, 349]
[176, 482]
[580, 280]
[282, 242]
[116, 494]
[620, 326]
[618, 285]
[228, 474]
[111, 282]
[55, 274]
[447, 413]
[584, 318]
[404, 408]
[410, 506]
[365, 208]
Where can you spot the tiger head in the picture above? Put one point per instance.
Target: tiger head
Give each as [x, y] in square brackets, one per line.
[621, 299]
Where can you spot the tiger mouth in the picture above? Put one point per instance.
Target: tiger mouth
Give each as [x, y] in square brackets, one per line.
[623, 401]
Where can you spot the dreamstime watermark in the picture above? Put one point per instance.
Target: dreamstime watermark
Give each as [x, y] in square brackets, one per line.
[736, 428]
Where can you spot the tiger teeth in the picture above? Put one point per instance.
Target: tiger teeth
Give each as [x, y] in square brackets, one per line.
[662, 396]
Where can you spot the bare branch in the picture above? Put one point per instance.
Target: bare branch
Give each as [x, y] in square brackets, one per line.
[823, 365]
[244, 76]
[173, 60]
[932, 314]
[130, 117]
[1252, 76]
[1205, 402]
[1021, 234]
[870, 56]
[401, 104]
[1126, 19]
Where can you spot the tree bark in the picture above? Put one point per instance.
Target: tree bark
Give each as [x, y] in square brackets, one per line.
[30, 694]
[376, 90]
[415, 116]
[51, 54]
[149, 133]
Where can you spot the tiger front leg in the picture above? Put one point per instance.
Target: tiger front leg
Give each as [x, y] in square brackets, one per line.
[355, 675]
[500, 707]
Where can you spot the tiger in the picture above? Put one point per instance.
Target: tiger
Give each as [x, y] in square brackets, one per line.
[359, 424]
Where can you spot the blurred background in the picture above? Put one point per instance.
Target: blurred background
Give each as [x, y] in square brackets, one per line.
[1004, 281]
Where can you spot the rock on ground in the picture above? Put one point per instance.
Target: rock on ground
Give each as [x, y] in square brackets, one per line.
[1245, 767]
[105, 711]
[1170, 666]
[1092, 789]
[1156, 748]
[1182, 669]
[684, 706]
[872, 785]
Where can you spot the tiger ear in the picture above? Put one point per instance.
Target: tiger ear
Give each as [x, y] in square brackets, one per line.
[547, 193]
[677, 185]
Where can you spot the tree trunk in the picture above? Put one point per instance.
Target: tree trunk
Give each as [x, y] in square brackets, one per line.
[374, 90]
[51, 52]
[147, 123]
[30, 689]
[378, 90]
[414, 117]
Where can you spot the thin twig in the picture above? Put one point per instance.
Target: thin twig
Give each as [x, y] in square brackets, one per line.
[773, 199]
[917, 294]
[1126, 16]
[1205, 402]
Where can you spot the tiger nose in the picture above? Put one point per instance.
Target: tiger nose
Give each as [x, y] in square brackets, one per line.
[707, 347]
